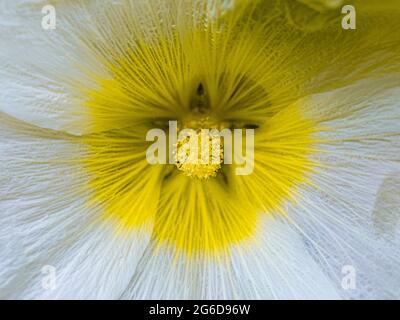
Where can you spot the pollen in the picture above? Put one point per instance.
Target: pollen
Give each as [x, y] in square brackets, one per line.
[199, 154]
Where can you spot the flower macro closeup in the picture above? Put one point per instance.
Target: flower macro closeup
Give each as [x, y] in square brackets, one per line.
[310, 98]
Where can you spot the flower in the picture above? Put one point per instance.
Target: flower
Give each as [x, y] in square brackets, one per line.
[317, 216]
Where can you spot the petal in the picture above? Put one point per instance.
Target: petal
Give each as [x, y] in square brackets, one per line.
[42, 72]
[120, 176]
[46, 221]
[274, 265]
[202, 216]
[303, 61]
[386, 210]
[339, 209]
[97, 265]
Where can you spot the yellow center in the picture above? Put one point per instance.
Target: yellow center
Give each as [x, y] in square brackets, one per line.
[183, 206]
[199, 155]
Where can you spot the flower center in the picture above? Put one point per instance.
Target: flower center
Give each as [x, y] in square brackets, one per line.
[199, 214]
[199, 154]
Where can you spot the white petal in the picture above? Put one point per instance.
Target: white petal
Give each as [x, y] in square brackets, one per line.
[99, 265]
[386, 215]
[41, 71]
[45, 221]
[274, 265]
[337, 214]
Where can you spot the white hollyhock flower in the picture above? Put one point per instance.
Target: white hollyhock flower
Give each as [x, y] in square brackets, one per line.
[84, 215]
